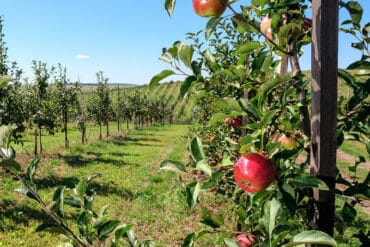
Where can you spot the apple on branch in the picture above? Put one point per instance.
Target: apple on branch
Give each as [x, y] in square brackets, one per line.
[287, 141]
[210, 8]
[265, 27]
[245, 240]
[254, 172]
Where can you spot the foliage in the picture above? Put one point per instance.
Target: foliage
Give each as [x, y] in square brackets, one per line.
[235, 74]
[94, 228]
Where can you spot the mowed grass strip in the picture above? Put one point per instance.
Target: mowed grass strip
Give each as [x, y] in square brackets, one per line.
[131, 184]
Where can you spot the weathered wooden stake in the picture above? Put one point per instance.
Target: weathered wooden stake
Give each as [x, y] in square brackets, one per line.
[324, 109]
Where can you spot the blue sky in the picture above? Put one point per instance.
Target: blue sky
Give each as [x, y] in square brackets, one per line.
[122, 38]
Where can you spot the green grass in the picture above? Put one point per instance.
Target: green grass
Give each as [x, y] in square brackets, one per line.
[131, 184]
[355, 149]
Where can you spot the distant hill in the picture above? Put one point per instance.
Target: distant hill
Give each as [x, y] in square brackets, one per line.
[112, 84]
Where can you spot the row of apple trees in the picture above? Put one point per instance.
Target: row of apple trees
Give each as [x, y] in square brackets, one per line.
[252, 135]
[50, 101]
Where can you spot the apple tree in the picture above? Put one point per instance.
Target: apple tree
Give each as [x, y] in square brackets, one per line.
[249, 106]
[66, 98]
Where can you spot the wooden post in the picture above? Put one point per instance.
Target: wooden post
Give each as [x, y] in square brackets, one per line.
[324, 109]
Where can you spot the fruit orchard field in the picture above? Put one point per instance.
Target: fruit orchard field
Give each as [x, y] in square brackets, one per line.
[131, 185]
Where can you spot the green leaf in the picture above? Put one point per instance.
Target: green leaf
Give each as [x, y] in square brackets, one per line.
[305, 180]
[169, 5]
[312, 237]
[120, 231]
[31, 169]
[130, 236]
[158, 77]
[107, 228]
[248, 47]
[81, 188]
[197, 149]
[203, 166]
[355, 10]
[186, 85]
[366, 29]
[4, 81]
[217, 117]
[11, 165]
[82, 223]
[272, 210]
[348, 78]
[73, 203]
[101, 218]
[229, 242]
[212, 221]
[362, 64]
[349, 212]
[58, 198]
[211, 26]
[146, 243]
[172, 165]
[273, 148]
[189, 240]
[50, 227]
[192, 192]
[266, 120]
[6, 135]
[230, 105]
[186, 54]
[209, 57]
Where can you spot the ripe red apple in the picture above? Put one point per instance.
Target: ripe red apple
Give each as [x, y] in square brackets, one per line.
[265, 27]
[235, 121]
[210, 8]
[254, 172]
[288, 142]
[245, 240]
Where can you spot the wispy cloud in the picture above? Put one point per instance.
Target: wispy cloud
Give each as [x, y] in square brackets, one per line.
[82, 56]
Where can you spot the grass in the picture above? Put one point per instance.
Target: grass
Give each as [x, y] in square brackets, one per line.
[130, 176]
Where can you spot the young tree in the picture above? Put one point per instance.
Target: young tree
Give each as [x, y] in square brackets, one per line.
[100, 105]
[80, 114]
[66, 98]
[42, 110]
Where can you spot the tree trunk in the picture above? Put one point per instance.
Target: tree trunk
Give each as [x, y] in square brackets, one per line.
[324, 59]
[83, 136]
[65, 125]
[40, 141]
[36, 140]
[107, 124]
[100, 131]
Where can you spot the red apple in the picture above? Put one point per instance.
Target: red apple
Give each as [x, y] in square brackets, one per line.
[210, 8]
[245, 240]
[265, 27]
[227, 120]
[288, 142]
[235, 121]
[254, 172]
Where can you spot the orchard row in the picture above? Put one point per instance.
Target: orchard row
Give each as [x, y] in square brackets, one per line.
[51, 101]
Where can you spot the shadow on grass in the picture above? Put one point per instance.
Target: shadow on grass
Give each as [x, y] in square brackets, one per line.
[13, 215]
[103, 189]
[53, 181]
[77, 160]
